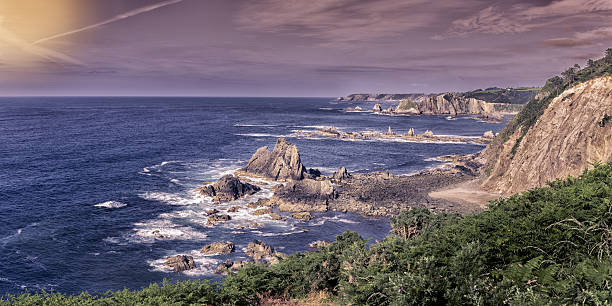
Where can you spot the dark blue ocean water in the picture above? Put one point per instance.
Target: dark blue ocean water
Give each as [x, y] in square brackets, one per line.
[62, 160]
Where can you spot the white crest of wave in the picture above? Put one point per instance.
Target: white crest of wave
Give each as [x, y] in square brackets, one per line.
[111, 204]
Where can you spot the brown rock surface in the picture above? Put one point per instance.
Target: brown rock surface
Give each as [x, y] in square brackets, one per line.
[180, 262]
[565, 139]
[219, 247]
[281, 164]
[228, 188]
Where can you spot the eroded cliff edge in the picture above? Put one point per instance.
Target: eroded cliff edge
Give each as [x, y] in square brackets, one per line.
[572, 132]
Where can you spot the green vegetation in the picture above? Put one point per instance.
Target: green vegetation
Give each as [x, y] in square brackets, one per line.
[503, 95]
[546, 246]
[529, 115]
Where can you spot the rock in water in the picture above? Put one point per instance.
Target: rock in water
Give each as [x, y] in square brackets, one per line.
[259, 250]
[390, 131]
[410, 133]
[377, 108]
[228, 188]
[488, 134]
[341, 174]
[428, 133]
[218, 248]
[283, 163]
[304, 216]
[180, 262]
[407, 106]
[304, 195]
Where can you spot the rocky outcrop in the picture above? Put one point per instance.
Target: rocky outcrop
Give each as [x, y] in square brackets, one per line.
[228, 188]
[180, 263]
[377, 108]
[216, 218]
[258, 250]
[567, 137]
[304, 195]
[407, 107]
[218, 248]
[282, 164]
[488, 134]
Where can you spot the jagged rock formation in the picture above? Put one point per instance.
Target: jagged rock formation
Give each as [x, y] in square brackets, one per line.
[180, 263]
[228, 188]
[218, 248]
[258, 250]
[283, 163]
[571, 133]
[377, 108]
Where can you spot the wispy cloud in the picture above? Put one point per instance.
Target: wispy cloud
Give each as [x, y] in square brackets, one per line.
[523, 17]
[343, 20]
[111, 20]
[11, 38]
[592, 37]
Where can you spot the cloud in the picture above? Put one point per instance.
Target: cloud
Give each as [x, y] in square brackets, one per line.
[582, 38]
[14, 40]
[524, 17]
[111, 20]
[343, 20]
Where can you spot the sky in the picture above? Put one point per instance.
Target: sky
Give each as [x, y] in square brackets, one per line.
[324, 48]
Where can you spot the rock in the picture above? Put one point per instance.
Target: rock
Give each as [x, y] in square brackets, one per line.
[211, 212]
[377, 108]
[180, 262]
[410, 133]
[218, 218]
[228, 188]
[341, 174]
[222, 268]
[314, 173]
[390, 132]
[218, 248]
[250, 226]
[358, 108]
[276, 216]
[389, 110]
[408, 107]
[319, 244]
[428, 133]
[283, 163]
[158, 234]
[258, 203]
[233, 209]
[263, 211]
[329, 131]
[304, 195]
[259, 250]
[488, 134]
[304, 216]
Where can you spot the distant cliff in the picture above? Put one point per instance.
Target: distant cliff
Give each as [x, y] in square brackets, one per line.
[492, 95]
[561, 132]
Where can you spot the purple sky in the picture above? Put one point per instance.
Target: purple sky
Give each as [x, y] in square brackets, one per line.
[292, 47]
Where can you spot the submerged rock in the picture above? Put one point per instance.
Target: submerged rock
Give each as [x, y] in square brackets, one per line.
[180, 262]
[281, 164]
[219, 247]
[228, 188]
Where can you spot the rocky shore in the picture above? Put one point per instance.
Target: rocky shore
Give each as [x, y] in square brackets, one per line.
[426, 137]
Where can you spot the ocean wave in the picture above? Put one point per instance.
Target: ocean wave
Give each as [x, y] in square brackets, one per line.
[260, 135]
[111, 204]
[205, 265]
[178, 199]
[254, 125]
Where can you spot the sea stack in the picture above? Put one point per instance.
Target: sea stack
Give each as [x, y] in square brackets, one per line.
[282, 164]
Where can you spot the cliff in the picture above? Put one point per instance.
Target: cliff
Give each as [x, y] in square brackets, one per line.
[455, 104]
[573, 131]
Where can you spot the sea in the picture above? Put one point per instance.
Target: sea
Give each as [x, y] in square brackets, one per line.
[87, 184]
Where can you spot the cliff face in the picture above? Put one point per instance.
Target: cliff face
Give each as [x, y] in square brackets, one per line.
[573, 131]
[453, 104]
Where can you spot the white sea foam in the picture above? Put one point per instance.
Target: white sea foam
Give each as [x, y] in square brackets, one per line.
[111, 204]
[260, 135]
[173, 198]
